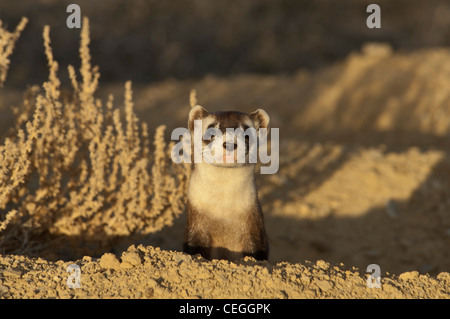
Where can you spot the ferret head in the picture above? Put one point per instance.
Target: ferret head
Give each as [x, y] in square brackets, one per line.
[229, 139]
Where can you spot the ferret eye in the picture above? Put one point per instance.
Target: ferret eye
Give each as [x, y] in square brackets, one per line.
[209, 134]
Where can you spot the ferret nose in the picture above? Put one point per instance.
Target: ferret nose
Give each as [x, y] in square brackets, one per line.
[229, 146]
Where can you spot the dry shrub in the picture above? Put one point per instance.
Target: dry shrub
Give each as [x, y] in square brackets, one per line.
[79, 167]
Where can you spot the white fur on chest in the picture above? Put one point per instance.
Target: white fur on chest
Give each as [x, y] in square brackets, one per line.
[221, 192]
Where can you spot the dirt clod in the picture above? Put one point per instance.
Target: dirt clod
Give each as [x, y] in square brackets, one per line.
[131, 258]
[109, 261]
[409, 275]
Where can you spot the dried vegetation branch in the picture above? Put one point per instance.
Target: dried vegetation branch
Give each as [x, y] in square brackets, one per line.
[7, 42]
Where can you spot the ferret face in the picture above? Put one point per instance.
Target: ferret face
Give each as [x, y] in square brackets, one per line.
[228, 139]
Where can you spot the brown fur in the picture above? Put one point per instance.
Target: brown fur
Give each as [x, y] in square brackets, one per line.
[213, 239]
[227, 238]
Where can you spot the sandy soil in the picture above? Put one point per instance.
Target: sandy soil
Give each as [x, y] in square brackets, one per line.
[147, 272]
[363, 179]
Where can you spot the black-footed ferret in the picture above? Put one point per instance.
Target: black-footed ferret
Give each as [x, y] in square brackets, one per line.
[224, 216]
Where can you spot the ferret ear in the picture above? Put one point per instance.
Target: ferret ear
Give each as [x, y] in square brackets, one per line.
[196, 113]
[260, 119]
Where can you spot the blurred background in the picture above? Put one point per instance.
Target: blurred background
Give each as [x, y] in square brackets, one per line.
[364, 114]
[149, 40]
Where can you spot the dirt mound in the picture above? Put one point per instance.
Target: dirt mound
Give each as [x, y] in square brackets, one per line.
[147, 272]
